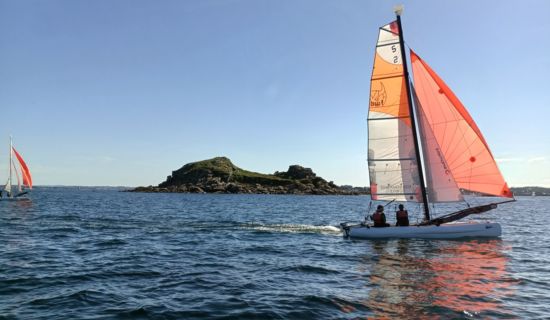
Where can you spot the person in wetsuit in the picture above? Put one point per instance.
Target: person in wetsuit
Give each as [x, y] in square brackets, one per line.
[379, 217]
[402, 217]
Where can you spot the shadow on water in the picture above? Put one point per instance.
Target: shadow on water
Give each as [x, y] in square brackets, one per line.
[447, 279]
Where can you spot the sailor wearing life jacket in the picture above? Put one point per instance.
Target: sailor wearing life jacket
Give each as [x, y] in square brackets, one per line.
[379, 217]
[402, 217]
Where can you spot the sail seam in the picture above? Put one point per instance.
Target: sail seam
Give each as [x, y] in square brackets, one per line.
[395, 194]
[386, 44]
[388, 118]
[391, 137]
[392, 159]
[395, 34]
[387, 77]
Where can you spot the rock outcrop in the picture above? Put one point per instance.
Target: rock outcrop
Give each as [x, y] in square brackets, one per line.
[220, 175]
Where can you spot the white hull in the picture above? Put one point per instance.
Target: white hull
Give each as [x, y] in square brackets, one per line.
[444, 231]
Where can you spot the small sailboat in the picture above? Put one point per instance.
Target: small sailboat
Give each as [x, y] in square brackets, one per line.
[424, 147]
[23, 177]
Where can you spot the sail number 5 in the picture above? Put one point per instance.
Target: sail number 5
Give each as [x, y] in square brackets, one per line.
[395, 57]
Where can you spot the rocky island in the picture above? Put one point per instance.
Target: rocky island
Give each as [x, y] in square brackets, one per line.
[220, 175]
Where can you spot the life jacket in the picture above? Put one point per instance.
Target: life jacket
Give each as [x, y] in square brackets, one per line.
[377, 218]
[402, 218]
[402, 214]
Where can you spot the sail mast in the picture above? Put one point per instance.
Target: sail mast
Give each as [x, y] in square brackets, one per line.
[398, 11]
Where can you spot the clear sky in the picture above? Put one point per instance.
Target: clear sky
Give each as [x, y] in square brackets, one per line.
[123, 92]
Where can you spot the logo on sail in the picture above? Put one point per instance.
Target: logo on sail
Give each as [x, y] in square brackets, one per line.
[378, 97]
[442, 161]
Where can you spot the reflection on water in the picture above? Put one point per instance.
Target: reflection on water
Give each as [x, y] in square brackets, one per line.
[455, 278]
[17, 203]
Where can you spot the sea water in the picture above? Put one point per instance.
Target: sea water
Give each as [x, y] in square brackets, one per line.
[98, 253]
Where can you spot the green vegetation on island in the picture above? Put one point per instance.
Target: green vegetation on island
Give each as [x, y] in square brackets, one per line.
[220, 175]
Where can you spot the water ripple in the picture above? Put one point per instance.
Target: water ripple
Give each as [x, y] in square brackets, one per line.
[89, 253]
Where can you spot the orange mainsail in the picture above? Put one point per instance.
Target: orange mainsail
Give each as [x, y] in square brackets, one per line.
[462, 150]
[25, 172]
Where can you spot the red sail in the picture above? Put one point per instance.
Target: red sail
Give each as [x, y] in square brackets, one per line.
[25, 173]
[460, 141]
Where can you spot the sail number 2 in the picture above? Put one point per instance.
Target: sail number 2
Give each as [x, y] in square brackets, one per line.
[395, 57]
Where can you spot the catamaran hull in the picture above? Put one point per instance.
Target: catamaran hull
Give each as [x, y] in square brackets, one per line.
[444, 231]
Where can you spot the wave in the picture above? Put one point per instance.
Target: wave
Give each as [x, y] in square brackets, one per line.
[308, 269]
[292, 228]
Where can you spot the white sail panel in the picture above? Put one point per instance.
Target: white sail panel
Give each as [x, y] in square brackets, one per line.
[16, 176]
[392, 160]
[388, 47]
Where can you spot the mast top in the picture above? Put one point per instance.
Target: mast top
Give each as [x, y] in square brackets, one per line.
[398, 9]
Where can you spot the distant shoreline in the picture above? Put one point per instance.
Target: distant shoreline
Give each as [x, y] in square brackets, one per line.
[220, 175]
[518, 191]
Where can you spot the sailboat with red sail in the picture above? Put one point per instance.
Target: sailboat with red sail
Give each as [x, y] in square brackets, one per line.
[424, 147]
[23, 177]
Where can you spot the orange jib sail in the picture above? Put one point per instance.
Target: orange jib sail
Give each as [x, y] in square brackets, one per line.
[25, 172]
[461, 145]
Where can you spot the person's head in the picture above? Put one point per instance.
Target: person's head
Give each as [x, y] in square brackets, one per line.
[401, 207]
[380, 208]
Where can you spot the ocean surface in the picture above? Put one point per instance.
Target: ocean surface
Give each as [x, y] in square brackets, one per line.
[98, 253]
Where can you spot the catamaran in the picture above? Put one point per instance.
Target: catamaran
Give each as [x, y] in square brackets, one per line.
[23, 176]
[424, 147]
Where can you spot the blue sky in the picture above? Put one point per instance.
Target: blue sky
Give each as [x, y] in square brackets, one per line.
[124, 92]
